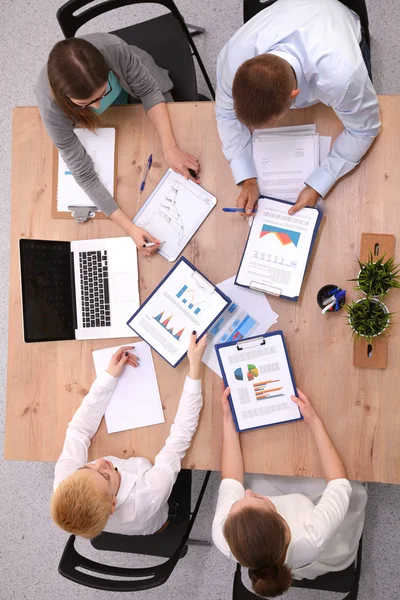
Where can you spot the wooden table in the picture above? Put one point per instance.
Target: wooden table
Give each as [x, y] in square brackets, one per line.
[46, 382]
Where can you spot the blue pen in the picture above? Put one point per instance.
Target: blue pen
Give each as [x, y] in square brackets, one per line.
[237, 210]
[149, 162]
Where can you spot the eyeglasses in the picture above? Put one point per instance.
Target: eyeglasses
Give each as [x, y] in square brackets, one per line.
[79, 107]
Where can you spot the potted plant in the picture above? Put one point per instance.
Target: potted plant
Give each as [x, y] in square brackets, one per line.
[376, 278]
[368, 317]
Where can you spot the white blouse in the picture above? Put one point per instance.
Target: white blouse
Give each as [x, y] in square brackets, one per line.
[325, 520]
[142, 498]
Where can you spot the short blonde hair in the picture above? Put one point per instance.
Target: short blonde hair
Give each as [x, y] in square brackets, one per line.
[78, 507]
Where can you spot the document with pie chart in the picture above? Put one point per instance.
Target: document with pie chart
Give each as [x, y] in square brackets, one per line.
[278, 249]
[258, 373]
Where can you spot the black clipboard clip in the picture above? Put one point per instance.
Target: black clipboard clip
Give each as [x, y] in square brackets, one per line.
[251, 343]
[267, 289]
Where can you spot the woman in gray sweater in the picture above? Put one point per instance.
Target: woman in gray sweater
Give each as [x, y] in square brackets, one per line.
[83, 77]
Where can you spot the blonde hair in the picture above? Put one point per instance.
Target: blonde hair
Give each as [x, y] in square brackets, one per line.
[78, 507]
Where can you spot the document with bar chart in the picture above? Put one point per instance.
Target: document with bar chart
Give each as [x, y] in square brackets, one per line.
[259, 375]
[278, 248]
[185, 301]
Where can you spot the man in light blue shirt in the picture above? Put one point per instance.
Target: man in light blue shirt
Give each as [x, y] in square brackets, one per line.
[293, 54]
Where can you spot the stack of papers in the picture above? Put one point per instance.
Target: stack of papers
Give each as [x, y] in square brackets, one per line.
[101, 148]
[285, 156]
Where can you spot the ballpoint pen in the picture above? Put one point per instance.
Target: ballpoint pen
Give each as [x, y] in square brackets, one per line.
[149, 162]
[237, 210]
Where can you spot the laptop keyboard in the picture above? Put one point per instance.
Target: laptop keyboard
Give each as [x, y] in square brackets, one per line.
[95, 296]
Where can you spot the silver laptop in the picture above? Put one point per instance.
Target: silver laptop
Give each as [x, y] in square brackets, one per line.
[78, 290]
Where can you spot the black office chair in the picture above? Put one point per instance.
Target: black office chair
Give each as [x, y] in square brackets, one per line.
[346, 581]
[166, 38]
[171, 543]
[252, 7]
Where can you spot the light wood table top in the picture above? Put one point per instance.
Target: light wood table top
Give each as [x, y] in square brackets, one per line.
[360, 407]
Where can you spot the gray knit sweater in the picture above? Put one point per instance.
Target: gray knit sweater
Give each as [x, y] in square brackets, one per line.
[138, 75]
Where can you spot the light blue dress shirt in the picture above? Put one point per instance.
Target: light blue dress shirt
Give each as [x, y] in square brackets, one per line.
[320, 40]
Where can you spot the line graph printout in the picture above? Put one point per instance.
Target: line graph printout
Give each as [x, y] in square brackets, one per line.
[166, 322]
[277, 249]
[174, 211]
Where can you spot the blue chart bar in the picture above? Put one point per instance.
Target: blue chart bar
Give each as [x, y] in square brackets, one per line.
[217, 327]
[184, 301]
[182, 291]
[190, 305]
[232, 307]
[242, 329]
[196, 312]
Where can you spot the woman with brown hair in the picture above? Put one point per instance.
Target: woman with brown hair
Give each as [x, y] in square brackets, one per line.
[83, 77]
[294, 527]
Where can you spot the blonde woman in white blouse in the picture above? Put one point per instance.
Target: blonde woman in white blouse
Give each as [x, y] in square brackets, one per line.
[284, 528]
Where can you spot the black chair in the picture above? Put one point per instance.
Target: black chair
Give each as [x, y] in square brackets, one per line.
[171, 543]
[346, 581]
[166, 38]
[252, 7]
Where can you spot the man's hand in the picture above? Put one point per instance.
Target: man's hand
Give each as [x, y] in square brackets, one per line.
[120, 358]
[181, 162]
[307, 197]
[141, 237]
[248, 197]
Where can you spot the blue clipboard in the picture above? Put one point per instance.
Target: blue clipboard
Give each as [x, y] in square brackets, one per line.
[242, 344]
[316, 228]
[223, 296]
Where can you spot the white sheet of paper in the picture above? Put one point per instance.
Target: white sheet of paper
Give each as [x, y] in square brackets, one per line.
[277, 249]
[183, 303]
[283, 163]
[261, 386]
[101, 148]
[236, 322]
[174, 211]
[136, 399]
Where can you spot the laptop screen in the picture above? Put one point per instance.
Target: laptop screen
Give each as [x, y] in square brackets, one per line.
[48, 294]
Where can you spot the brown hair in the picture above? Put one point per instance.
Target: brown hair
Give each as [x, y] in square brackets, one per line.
[78, 507]
[261, 89]
[257, 540]
[76, 69]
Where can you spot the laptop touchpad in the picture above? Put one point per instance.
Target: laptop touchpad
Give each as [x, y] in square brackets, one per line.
[125, 287]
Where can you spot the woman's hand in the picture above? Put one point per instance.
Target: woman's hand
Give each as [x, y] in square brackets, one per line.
[141, 238]
[226, 407]
[306, 408]
[195, 354]
[120, 358]
[181, 162]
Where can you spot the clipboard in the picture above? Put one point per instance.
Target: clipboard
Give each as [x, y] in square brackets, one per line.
[180, 297]
[168, 213]
[272, 290]
[254, 343]
[92, 212]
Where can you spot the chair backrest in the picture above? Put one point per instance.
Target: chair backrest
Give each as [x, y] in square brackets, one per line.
[72, 562]
[165, 38]
[252, 7]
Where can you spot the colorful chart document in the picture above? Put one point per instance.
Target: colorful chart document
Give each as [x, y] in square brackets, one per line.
[174, 211]
[278, 248]
[259, 375]
[249, 314]
[185, 301]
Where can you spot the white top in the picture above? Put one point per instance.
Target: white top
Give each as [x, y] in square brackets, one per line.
[324, 536]
[142, 506]
[320, 40]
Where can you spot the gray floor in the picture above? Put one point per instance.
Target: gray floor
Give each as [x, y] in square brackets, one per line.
[30, 545]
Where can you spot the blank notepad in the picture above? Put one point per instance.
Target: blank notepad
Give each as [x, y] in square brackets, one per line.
[136, 399]
[101, 148]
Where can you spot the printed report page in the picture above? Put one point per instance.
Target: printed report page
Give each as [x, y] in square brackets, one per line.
[277, 250]
[259, 379]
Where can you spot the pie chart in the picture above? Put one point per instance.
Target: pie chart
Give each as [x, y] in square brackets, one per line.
[252, 372]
